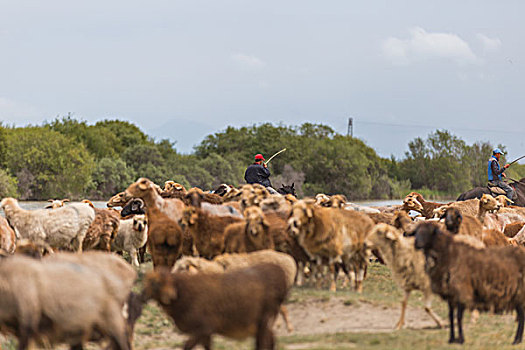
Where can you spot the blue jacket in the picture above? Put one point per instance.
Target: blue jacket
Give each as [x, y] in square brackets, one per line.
[493, 169]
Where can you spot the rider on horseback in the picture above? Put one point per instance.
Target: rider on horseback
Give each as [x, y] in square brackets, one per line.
[495, 173]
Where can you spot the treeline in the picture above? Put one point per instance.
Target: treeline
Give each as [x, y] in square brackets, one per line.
[70, 158]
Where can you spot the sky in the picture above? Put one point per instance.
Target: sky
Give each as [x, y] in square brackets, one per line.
[184, 69]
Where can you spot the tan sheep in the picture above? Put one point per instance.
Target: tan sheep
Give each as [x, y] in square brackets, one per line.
[407, 266]
[132, 235]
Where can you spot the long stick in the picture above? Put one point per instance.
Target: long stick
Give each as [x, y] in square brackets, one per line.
[281, 151]
[514, 161]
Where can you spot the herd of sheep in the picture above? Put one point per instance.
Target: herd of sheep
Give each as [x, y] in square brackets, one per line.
[225, 260]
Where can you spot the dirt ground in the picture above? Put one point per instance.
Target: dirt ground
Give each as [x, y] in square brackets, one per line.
[317, 316]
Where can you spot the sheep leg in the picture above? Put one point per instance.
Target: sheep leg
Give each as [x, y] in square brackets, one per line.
[205, 341]
[361, 272]
[401, 321]
[474, 316]
[299, 279]
[428, 309]
[77, 347]
[519, 331]
[461, 309]
[264, 338]
[133, 257]
[452, 338]
[333, 277]
[284, 313]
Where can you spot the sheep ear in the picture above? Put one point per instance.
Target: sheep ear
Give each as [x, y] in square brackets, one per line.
[65, 200]
[390, 235]
[309, 212]
[293, 184]
[50, 200]
[143, 185]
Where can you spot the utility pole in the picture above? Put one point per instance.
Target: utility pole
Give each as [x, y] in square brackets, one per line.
[350, 131]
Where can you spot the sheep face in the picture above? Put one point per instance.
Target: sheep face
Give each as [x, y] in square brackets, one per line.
[140, 188]
[158, 285]
[8, 201]
[302, 213]
[411, 203]
[489, 203]
[321, 199]
[223, 190]
[453, 219]
[382, 235]
[336, 201]
[255, 223]
[503, 200]
[194, 196]
[118, 200]
[139, 223]
[425, 233]
[134, 206]
[56, 203]
[189, 218]
[172, 186]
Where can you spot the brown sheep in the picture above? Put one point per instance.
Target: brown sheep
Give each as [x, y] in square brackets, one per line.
[414, 201]
[494, 238]
[333, 235]
[102, 230]
[195, 196]
[147, 191]
[335, 201]
[470, 278]
[248, 235]
[513, 228]
[462, 224]
[237, 304]
[206, 230]
[7, 236]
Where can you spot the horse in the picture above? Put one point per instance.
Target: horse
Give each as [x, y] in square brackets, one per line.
[287, 189]
[477, 192]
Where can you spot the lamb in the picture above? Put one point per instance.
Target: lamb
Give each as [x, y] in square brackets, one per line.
[407, 266]
[56, 203]
[206, 230]
[34, 305]
[63, 227]
[468, 278]
[250, 234]
[235, 304]
[331, 234]
[132, 235]
[7, 237]
[165, 234]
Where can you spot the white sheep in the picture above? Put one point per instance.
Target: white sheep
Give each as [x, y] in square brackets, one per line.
[62, 228]
[132, 235]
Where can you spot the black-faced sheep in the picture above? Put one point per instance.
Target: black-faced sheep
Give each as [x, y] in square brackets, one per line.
[468, 278]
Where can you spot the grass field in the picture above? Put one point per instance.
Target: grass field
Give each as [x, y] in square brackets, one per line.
[381, 296]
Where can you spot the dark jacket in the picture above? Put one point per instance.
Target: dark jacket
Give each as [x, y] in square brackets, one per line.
[257, 174]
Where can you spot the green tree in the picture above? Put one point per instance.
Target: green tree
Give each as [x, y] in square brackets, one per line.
[51, 164]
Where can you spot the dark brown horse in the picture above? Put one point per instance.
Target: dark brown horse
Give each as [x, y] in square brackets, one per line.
[519, 187]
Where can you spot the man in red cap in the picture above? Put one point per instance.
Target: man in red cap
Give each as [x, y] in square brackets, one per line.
[258, 173]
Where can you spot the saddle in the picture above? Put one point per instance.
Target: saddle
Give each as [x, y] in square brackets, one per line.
[495, 190]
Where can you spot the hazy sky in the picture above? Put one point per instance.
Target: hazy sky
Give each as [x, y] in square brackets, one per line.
[184, 69]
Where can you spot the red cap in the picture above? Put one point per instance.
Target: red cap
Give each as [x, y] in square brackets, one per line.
[259, 157]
